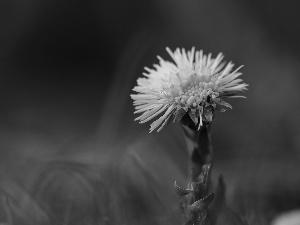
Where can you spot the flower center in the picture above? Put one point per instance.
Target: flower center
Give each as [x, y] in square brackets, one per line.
[195, 92]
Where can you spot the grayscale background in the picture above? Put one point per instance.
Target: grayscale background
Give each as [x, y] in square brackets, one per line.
[70, 151]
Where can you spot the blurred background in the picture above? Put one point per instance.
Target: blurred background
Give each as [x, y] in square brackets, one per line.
[70, 152]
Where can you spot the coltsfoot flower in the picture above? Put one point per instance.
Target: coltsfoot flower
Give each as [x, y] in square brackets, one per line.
[194, 84]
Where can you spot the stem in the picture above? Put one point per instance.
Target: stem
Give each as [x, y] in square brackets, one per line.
[194, 200]
[199, 145]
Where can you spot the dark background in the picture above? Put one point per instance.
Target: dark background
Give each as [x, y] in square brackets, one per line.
[67, 69]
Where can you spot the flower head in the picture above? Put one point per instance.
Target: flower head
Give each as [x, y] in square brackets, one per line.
[194, 84]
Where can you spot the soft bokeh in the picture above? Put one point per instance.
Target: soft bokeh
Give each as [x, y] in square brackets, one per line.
[70, 151]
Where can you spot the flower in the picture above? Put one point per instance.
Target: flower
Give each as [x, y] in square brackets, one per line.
[194, 84]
